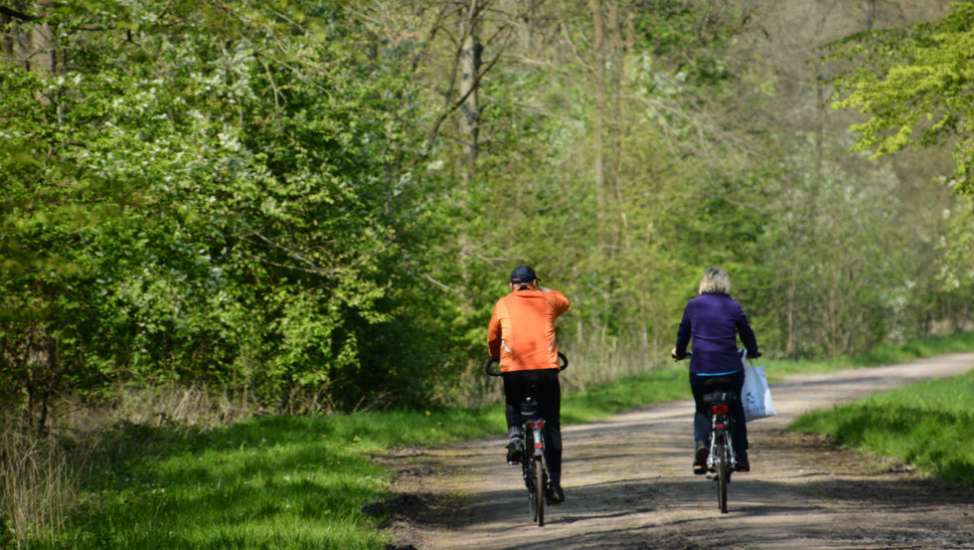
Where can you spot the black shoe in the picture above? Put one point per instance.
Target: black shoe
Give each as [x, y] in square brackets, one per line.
[700, 461]
[515, 449]
[554, 495]
[742, 464]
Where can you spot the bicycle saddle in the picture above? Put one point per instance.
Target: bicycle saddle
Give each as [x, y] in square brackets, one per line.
[719, 397]
[721, 383]
[529, 408]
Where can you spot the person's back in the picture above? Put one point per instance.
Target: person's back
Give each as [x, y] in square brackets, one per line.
[522, 330]
[716, 320]
[521, 335]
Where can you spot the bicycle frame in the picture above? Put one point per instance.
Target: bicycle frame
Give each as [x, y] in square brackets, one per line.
[722, 460]
[536, 429]
[720, 424]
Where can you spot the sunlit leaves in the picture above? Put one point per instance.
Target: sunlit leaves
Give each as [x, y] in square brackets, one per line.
[210, 192]
[915, 88]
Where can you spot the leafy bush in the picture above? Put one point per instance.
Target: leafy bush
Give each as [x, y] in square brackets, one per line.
[213, 193]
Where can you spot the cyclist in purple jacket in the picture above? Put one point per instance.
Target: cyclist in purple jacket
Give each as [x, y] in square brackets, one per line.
[712, 321]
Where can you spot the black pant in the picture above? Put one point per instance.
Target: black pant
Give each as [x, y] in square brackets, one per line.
[701, 419]
[543, 386]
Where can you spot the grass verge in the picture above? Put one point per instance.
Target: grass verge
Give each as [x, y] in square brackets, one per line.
[927, 424]
[286, 482]
[301, 482]
[884, 354]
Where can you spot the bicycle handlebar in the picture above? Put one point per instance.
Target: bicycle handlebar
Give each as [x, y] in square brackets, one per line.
[490, 362]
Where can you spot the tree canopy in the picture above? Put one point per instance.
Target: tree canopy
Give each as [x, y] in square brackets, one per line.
[915, 86]
[314, 204]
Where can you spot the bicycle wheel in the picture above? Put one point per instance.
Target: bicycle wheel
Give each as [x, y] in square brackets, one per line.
[528, 466]
[723, 471]
[539, 492]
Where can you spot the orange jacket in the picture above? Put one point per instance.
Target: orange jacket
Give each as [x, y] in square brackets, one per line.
[521, 332]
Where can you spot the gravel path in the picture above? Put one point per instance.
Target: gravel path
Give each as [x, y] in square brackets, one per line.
[628, 484]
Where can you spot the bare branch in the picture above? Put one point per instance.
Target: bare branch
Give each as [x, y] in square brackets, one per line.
[434, 30]
[434, 132]
[442, 286]
[312, 266]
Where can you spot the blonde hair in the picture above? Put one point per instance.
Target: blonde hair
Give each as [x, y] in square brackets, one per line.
[715, 281]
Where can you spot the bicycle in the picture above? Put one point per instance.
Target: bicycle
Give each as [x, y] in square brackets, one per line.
[534, 468]
[721, 460]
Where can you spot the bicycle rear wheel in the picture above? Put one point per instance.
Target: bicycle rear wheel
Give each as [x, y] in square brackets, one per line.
[723, 471]
[531, 467]
[539, 491]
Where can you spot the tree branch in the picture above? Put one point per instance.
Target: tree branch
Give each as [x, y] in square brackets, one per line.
[434, 133]
[18, 15]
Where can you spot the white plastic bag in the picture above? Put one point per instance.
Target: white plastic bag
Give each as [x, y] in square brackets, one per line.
[756, 394]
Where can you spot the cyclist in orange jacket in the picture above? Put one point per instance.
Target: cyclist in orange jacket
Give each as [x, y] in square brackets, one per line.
[521, 334]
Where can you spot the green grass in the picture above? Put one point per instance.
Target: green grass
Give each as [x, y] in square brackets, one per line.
[301, 482]
[884, 354]
[287, 482]
[927, 424]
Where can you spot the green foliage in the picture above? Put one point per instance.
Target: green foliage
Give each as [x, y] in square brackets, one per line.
[914, 85]
[251, 197]
[925, 424]
[691, 38]
[956, 274]
[226, 197]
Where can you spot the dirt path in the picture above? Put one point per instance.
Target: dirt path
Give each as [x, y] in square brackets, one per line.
[628, 484]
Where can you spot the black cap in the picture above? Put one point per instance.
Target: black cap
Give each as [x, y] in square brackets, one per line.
[523, 274]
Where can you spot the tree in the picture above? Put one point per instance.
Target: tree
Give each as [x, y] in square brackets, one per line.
[215, 193]
[916, 87]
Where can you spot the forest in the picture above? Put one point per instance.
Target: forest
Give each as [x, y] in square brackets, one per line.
[224, 209]
[312, 205]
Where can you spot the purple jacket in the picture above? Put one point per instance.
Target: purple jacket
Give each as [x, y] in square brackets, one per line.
[713, 321]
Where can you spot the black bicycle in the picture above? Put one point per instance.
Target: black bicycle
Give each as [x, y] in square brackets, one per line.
[534, 467]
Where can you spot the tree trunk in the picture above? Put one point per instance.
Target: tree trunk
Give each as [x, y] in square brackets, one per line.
[616, 63]
[7, 40]
[470, 57]
[598, 116]
[870, 9]
[42, 56]
[42, 379]
[790, 342]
